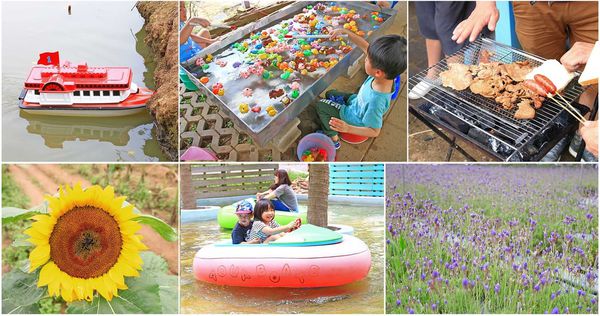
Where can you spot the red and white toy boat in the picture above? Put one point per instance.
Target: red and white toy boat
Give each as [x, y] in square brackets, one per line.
[52, 89]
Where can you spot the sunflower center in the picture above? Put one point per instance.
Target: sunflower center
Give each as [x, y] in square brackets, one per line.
[85, 242]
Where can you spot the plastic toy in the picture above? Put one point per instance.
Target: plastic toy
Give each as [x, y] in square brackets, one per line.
[236, 64]
[266, 74]
[256, 109]
[244, 74]
[200, 62]
[295, 85]
[271, 110]
[285, 75]
[274, 94]
[221, 63]
[205, 66]
[204, 80]
[295, 94]
[244, 108]
[209, 58]
[286, 100]
[247, 92]
[314, 154]
[221, 92]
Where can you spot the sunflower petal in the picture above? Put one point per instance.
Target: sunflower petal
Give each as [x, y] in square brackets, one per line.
[38, 256]
[116, 276]
[126, 270]
[129, 227]
[48, 273]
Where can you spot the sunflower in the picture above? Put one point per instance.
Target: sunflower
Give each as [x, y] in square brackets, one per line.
[85, 243]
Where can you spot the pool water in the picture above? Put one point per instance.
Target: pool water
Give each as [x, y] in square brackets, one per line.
[99, 33]
[365, 296]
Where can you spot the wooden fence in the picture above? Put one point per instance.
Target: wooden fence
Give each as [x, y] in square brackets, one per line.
[215, 181]
[356, 179]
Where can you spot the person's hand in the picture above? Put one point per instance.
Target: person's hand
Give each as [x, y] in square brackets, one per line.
[200, 21]
[577, 56]
[383, 4]
[589, 133]
[338, 125]
[253, 241]
[485, 14]
[337, 33]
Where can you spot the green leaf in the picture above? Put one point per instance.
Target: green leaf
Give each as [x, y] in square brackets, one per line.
[13, 214]
[157, 266]
[166, 232]
[20, 293]
[153, 292]
[154, 263]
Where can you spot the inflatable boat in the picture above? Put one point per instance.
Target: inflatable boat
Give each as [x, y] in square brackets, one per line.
[227, 218]
[310, 256]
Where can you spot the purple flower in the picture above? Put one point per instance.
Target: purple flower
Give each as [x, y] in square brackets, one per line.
[555, 311]
[435, 274]
[552, 296]
[497, 288]
[411, 311]
[465, 282]
[423, 276]
[580, 293]
[589, 216]
[398, 302]
[536, 287]
[433, 306]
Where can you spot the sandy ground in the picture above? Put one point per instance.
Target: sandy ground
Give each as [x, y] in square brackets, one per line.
[37, 180]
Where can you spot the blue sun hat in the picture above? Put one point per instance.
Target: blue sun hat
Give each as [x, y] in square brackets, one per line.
[244, 207]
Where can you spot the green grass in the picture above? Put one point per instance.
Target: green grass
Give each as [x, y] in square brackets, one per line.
[11, 194]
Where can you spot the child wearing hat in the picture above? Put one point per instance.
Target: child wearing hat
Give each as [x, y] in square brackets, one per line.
[239, 235]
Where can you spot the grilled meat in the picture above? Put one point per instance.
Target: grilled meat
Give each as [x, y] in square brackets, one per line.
[497, 81]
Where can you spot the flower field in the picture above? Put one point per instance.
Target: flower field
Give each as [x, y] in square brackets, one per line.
[492, 239]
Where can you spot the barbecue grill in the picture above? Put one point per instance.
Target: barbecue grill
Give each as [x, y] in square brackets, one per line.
[263, 128]
[482, 121]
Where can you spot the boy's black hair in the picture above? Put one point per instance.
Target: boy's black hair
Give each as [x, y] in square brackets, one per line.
[282, 177]
[260, 207]
[388, 54]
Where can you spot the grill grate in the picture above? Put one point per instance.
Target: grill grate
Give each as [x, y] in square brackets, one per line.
[486, 114]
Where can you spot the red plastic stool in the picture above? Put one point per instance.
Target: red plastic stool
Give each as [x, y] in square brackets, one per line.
[352, 138]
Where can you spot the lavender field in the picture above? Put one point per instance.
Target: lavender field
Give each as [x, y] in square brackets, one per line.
[492, 239]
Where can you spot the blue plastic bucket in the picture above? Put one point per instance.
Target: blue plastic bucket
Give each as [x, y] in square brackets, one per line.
[316, 140]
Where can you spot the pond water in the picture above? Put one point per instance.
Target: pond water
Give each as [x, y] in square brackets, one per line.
[365, 296]
[99, 33]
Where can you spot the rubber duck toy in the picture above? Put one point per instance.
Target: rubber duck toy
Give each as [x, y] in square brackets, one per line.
[244, 108]
[271, 110]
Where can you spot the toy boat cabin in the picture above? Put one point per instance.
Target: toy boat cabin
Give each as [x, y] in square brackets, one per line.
[65, 85]
[52, 89]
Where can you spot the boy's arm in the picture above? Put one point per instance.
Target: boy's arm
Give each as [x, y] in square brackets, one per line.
[359, 41]
[202, 40]
[338, 125]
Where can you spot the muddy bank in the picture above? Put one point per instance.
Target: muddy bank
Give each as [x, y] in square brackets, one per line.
[162, 32]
